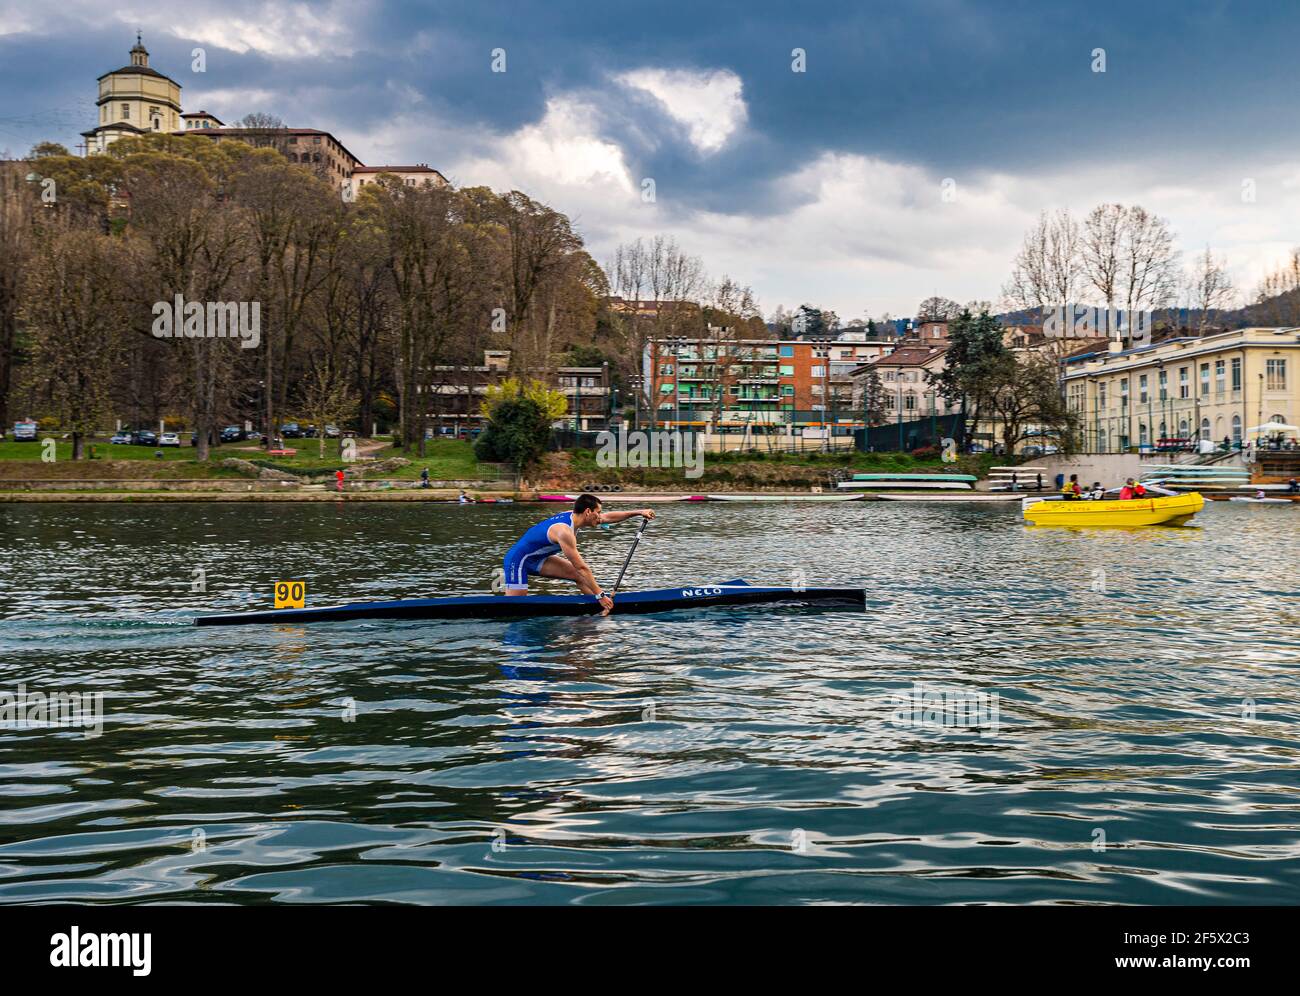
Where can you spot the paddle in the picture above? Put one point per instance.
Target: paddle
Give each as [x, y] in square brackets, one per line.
[637, 539]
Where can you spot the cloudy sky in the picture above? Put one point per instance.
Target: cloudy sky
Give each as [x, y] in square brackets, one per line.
[824, 186]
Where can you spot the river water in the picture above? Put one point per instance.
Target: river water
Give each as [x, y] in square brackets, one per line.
[1022, 715]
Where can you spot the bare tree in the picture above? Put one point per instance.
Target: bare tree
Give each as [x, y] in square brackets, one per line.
[18, 209]
[937, 309]
[1208, 289]
[1277, 299]
[1100, 248]
[1149, 271]
[327, 396]
[290, 220]
[78, 312]
[663, 288]
[1048, 270]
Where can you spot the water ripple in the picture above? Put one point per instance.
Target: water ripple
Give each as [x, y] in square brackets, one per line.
[1143, 750]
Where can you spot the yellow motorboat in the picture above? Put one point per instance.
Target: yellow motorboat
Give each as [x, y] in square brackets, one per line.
[1172, 510]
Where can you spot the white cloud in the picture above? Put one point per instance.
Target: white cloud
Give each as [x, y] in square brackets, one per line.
[279, 30]
[863, 234]
[560, 155]
[710, 105]
[13, 22]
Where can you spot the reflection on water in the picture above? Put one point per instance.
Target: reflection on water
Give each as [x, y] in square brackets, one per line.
[1145, 749]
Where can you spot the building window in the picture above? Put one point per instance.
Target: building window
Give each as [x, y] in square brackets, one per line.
[1205, 380]
[1236, 373]
[1101, 395]
[1182, 382]
[126, 112]
[787, 370]
[1142, 389]
[787, 390]
[819, 371]
[1123, 393]
[1164, 385]
[787, 351]
[1205, 428]
[1275, 375]
[1220, 376]
[1236, 426]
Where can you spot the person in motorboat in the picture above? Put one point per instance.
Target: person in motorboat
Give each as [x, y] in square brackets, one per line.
[1070, 489]
[1097, 492]
[1131, 490]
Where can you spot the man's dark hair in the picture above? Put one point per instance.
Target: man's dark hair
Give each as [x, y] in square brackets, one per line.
[586, 502]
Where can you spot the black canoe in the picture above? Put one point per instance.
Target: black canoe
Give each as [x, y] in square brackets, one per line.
[736, 592]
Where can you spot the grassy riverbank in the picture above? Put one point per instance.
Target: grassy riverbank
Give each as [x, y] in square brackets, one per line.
[454, 460]
[444, 459]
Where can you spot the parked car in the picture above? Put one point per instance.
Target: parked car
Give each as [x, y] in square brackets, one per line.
[290, 430]
[122, 438]
[332, 432]
[169, 439]
[25, 432]
[254, 436]
[233, 434]
[309, 432]
[143, 437]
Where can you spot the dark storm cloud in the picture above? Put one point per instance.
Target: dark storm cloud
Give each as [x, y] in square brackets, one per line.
[960, 85]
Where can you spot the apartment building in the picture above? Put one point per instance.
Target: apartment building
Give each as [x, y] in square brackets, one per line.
[459, 391]
[1211, 388]
[721, 383]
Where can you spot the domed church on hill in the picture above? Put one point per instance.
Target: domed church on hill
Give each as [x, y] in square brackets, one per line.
[137, 100]
[134, 100]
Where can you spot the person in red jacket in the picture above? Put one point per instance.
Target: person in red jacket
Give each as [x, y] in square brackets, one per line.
[1132, 490]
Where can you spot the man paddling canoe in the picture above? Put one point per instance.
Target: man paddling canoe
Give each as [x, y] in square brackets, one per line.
[550, 549]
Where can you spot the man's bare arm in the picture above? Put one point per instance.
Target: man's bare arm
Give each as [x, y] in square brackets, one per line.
[612, 517]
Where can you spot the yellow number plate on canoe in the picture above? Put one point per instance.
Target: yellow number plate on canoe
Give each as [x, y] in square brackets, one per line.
[290, 594]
